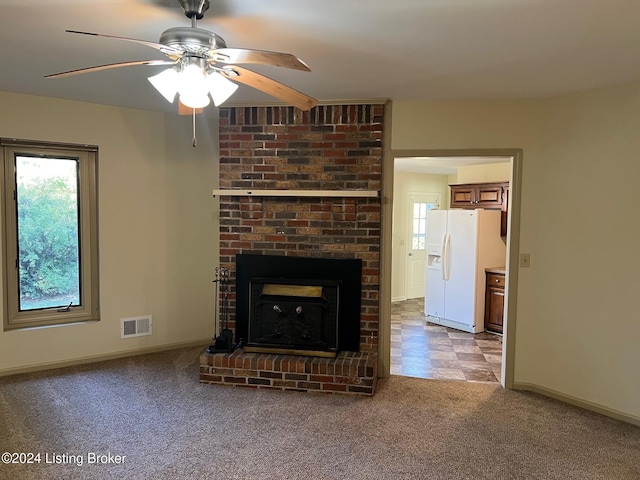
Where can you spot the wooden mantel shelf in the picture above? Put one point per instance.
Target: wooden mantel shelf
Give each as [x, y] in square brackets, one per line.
[297, 193]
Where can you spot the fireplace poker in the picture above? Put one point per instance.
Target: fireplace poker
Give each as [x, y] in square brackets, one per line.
[221, 343]
[216, 280]
[226, 334]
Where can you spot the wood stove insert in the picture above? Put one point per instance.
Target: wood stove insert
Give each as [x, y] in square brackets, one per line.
[298, 317]
[341, 282]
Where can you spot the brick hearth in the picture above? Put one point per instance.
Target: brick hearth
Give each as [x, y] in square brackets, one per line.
[350, 372]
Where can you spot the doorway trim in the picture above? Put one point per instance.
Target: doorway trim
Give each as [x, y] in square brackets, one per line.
[513, 247]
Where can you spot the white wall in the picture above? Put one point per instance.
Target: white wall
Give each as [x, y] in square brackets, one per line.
[577, 320]
[157, 226]
[492, 172]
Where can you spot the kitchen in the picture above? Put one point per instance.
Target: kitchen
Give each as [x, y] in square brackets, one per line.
[452, 336]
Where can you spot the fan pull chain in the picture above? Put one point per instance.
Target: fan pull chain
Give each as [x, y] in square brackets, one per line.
[195, 142]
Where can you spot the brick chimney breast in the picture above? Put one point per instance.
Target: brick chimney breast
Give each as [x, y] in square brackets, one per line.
[330, 147]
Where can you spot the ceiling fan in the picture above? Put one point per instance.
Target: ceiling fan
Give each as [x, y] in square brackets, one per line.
[202, 65]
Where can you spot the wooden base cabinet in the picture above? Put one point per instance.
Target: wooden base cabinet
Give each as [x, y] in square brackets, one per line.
[494, 302]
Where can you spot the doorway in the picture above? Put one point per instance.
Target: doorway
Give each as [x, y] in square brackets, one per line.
[410, 335]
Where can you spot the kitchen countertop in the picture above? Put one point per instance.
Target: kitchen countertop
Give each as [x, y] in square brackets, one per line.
[499, 270]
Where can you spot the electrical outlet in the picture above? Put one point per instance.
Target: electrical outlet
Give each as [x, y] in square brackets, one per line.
[525, 260]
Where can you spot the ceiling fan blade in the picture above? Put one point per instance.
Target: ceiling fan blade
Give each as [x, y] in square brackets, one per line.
[109, 66]
[171, 52]
[267, 85]
[243, 55]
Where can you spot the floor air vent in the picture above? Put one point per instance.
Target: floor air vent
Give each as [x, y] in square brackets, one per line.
[135, 326]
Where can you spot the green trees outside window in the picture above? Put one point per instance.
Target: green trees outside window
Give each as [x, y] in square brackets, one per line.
[48, 258]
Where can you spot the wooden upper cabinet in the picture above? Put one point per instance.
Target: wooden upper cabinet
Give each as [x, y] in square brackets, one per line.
[489, 195]
[478, 195]
[483, 195]
[462, 196]
[505, 211]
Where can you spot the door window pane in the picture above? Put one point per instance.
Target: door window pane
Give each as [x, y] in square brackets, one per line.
[419, 231]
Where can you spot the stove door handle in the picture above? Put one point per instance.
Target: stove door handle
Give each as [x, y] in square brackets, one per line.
[299, 310]
[277, 308]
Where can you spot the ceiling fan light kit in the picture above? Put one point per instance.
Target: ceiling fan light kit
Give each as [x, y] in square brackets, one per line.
[166, 82]
[203, 68]
[220, 88]
[193, 81]
[192, 87]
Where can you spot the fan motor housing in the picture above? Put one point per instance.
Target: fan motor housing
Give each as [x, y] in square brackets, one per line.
[192, 40]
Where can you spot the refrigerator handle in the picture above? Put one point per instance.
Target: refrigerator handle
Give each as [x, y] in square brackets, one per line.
[445, 256]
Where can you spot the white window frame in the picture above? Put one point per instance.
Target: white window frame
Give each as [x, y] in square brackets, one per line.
[89, 308]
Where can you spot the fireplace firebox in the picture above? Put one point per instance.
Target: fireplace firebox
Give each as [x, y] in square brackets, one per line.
[293, 316]
[298, 305]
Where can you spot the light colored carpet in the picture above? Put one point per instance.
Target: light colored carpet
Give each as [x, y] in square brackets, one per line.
[153, 410]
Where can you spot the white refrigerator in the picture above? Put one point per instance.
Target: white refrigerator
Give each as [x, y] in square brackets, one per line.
[460, 245]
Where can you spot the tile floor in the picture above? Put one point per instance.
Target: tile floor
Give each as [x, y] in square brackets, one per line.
[426, 350]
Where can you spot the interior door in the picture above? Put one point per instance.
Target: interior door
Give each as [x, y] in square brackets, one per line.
[419, 205]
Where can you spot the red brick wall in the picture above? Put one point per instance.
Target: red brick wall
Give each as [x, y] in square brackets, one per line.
[332, 147]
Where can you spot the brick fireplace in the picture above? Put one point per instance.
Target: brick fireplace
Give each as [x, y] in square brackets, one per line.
[331, 147]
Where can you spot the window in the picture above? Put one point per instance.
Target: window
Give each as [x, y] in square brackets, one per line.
[419, 230]
[50, 234]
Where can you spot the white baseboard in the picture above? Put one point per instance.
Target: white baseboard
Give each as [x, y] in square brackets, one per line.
[100, 358]
[398, 299]
[594, 407]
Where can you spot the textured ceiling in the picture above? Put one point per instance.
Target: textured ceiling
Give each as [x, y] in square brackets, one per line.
[367, 49]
